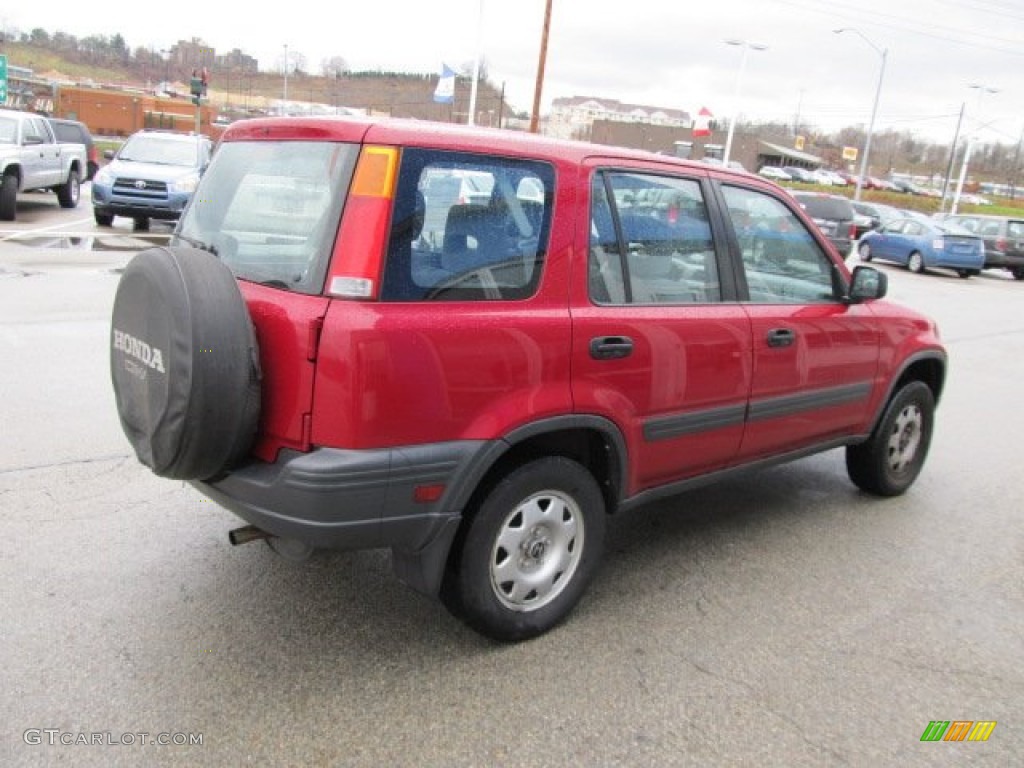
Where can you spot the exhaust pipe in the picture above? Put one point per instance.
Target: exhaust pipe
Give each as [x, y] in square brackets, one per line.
[246, 534]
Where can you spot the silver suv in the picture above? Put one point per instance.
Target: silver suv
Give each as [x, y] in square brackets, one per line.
[152, 176]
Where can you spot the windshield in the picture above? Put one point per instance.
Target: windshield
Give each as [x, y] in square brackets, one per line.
[160, 150]
[270, 210]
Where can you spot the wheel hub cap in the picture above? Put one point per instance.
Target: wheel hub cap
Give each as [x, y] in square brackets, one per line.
[537, 551]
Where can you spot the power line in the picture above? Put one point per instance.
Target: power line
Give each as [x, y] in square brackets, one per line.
[905, 24]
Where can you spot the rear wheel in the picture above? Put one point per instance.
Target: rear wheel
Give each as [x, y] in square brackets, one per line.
[964, 273]
[864, 250]
[1018, 273]
[529, 550]
[8, 197]
[70, 191]
[890, 460]
[916, 262]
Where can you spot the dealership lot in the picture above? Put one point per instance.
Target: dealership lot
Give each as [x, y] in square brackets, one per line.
[780, 619]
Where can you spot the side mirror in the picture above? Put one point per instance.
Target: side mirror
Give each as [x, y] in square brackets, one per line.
[867, 284]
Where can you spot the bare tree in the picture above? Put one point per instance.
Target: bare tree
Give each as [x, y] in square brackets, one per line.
[335, 66]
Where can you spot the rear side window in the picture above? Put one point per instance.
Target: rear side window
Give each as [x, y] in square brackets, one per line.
[650, 241]
[467, 227]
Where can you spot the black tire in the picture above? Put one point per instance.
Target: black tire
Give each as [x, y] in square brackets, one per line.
[916, 263]
[1018, 273]
[8, 197]
[888, 463]
[141, 224]
[70, 192]
[103, 218]
[964, 273]
[184, 363]
[552, 514]
[864, 251]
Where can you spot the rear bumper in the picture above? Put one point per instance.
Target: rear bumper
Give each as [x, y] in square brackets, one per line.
[341, 499]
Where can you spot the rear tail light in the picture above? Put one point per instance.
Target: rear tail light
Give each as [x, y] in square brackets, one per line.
[852, 234]
[359, 251]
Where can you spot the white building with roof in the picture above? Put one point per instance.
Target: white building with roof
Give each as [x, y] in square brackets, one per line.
[572, 117]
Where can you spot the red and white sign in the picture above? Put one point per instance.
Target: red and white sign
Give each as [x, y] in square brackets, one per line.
[702, 123]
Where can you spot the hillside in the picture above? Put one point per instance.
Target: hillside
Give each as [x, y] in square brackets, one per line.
[391, 93]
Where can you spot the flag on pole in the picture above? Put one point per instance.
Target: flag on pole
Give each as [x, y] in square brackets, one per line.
[702, 123]
[445, 91]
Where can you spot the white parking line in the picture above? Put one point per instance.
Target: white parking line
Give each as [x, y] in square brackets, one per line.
[16, 234]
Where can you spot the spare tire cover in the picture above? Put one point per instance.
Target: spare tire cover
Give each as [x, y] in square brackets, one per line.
[184, 362]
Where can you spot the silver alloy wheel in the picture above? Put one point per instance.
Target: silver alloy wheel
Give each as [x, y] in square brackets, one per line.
[905, 438]
[864, 251]
[537, 551]
[916, 262]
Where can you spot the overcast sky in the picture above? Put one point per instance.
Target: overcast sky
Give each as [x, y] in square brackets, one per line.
[665, 53]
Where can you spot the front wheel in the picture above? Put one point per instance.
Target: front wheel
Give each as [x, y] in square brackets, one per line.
[889, 461]
[530, 550]
[864, 250]
[916, 263]
[1018, 273]
[103, 219]
[964, 273]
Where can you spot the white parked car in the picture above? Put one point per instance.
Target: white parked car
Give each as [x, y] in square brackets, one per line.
[773, 172]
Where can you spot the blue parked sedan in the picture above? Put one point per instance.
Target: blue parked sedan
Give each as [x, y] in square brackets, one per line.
[921, 244]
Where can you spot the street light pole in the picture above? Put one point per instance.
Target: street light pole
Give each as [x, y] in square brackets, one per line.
[884, 53]
[982, 90]
[476, 65]
[747, 47]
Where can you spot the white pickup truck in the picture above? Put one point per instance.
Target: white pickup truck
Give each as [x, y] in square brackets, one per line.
[32, 158]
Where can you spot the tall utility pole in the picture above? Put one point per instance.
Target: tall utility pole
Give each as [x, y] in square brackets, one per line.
[952, 159]
[284, 107]
[982, 89]
[535, 116]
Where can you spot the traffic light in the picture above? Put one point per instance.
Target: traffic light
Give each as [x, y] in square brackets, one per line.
[198, 83]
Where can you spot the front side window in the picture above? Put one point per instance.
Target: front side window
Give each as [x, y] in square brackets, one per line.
[467, 227]
[270, 209]
[650, 241]
[782, 261]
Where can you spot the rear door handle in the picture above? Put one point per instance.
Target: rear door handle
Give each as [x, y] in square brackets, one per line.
[611, 347]
[781, 337]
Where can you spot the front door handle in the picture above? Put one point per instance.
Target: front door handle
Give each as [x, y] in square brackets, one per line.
[781, 337]
[611, 347]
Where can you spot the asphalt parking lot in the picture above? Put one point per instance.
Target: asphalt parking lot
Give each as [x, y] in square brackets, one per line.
[781, 619]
